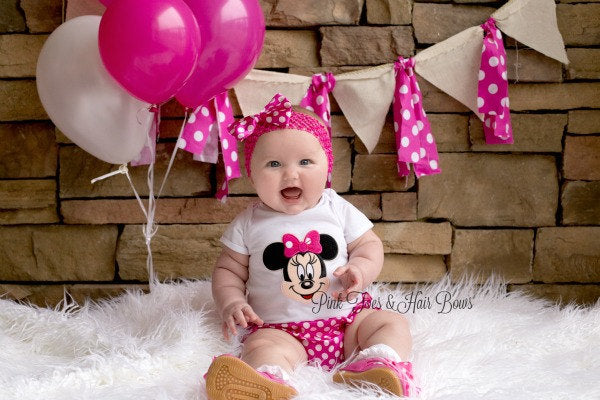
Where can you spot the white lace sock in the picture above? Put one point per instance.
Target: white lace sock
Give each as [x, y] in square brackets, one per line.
[379, 350]
[275, 370]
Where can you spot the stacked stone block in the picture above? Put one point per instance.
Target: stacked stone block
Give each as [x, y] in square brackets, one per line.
[527, 212]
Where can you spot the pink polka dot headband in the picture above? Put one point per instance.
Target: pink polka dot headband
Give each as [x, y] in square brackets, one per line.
[278, 114]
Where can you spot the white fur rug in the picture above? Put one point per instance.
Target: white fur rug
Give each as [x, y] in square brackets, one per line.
[158, 345]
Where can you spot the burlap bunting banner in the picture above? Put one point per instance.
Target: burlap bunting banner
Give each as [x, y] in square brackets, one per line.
[365, 95]
[451, 65]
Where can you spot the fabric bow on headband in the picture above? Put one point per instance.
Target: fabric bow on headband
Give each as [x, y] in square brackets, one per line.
[277, 112]
[293, 246]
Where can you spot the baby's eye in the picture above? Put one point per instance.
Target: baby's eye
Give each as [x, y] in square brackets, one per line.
[305, 161]
[274, 164]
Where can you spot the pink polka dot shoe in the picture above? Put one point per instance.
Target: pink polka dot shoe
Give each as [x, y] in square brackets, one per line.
[391, 376]
[229, 378]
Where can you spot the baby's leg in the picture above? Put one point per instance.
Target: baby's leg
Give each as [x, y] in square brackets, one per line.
[273, 347]
[384, 341]
[371, 327]
[230, 378]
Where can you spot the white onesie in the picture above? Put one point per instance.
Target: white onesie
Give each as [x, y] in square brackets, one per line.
[292, 257]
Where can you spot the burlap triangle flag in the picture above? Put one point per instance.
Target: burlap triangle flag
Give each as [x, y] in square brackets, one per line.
[365, 97]
[533, 23]
[258, 88]
[453, 65]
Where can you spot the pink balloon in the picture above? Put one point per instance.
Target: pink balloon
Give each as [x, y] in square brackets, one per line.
[149, 47]
[105, 2]
[232, 36]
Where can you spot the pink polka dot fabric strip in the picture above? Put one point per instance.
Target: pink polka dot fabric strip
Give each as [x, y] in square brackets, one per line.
[316, 100]
[492, 90]
[228, 145]
[415, 143]
[200, 125]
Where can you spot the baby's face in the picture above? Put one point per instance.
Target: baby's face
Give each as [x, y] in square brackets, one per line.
[289, 170]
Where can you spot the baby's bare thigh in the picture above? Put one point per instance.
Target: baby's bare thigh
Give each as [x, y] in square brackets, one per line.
[275, 341]
[351, 333]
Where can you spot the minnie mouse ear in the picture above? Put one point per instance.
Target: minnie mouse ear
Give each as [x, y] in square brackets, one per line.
[330, 247]
[273, 256]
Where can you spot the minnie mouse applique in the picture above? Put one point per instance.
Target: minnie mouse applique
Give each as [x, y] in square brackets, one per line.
[302, 262]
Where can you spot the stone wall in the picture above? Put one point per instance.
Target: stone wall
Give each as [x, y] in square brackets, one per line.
[529, 212]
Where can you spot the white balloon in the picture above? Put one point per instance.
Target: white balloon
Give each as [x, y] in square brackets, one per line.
[83, 100]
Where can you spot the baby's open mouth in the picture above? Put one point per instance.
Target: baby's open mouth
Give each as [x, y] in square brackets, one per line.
[291, 193]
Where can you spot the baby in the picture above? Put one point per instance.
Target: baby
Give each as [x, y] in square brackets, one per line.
[293, 267]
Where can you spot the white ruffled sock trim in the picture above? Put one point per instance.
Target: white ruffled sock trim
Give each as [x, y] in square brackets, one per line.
[275, 370]
[379, 350]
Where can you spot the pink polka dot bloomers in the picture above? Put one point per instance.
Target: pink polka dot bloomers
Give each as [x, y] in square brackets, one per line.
[323, 339]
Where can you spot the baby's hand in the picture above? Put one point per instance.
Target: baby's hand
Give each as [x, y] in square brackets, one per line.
[352, 281]
[238, 313]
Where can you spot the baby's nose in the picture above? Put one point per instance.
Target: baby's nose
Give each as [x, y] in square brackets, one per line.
[291, 172]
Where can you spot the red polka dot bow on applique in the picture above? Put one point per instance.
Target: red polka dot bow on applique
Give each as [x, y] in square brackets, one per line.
[293, 246]
[492, 90]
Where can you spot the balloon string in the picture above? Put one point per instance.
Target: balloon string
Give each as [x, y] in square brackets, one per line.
[123, 170]
[149, 228]
[137, 196]
[185, 118]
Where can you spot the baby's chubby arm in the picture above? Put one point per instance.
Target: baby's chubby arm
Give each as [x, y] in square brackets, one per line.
[229, 291]
[365, 260]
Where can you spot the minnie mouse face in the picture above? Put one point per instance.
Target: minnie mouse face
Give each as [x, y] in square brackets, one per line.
[306, 275]
[304, 271]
